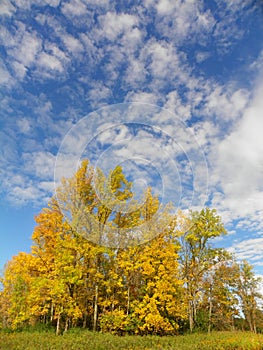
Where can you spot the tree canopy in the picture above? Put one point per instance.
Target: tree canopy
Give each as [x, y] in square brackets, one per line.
[89, 267]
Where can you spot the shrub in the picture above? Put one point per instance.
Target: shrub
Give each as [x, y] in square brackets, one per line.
[114, 322]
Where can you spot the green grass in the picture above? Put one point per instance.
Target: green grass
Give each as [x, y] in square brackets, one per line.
[85, 340]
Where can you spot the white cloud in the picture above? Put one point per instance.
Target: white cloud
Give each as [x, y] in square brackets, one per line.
[5, 77]
[177, 107]
[98, 94]
[40, 164]
[238, 167]
[21, 189]
[122, 41]
[24, 125]
[72, 44]
[249, 249]
[257, 65]
[6, 8]
[42, 110]
[182, 20]
[102, 3]
[225, 103]
[87, 40]
[21, 195]
[114, 25]
[27, 4]
[33, 183]
[52, 49]
[52, 3]
[164, 59]
[164, 67]
[135, 74]
[49, 62]
[111, 135]
[19, 69]
[74, 8]
[131, 39]
[142, 97]
[207, 134]
[175, 157]
[9, 152]
[27, 49]
[47, 186]
[22, 47]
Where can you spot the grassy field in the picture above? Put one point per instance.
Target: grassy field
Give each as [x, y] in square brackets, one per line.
[81, 340]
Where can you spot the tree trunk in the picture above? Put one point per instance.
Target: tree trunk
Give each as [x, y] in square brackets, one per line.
[84, 324]
[249, 320]
[209, 316]
[128, 301]
[51, 312]
[58, 324]
[66, 325]
[95, 316]
[254, 320]
[191, 316]
[233, 323]
[194, 310]
[210, 309]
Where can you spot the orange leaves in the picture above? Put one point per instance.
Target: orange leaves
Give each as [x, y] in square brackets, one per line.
[163, 298]
[115, 322]
[151, 320]
[17, 281]
[150, 288]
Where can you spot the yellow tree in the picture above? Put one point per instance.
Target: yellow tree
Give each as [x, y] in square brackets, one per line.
[90, 202]
[130, 272]
[163, 305]
[247, 290]
[17, 281]
[67, 270]
[197, 255]
[138, 216]
[77, 199]
[219, 304]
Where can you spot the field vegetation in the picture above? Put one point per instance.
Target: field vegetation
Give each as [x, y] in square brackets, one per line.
[87, 340]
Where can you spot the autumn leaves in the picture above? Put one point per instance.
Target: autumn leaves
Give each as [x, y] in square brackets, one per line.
[84, 269]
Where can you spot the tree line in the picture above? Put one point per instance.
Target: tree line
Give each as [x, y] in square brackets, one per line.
[175, 281]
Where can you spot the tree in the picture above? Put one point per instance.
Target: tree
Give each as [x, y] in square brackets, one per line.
[219, 299]
[88, 267]
[90, 201]
[196, 255]
[248, 293]
[17, 282]
[58, 267]
[162, 305]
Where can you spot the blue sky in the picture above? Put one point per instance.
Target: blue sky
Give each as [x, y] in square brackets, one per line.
[188, 75]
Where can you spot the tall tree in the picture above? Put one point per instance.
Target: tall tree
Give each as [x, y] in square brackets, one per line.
[163, 304]
[248, 293]
[219, 304]
[197, 255]
[59, 267]
[17, 284]
[121, 285]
